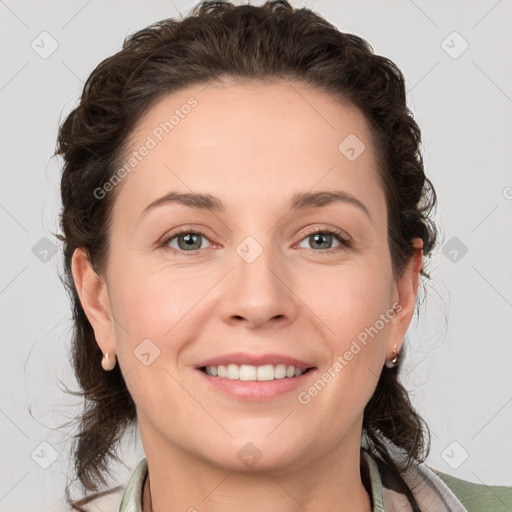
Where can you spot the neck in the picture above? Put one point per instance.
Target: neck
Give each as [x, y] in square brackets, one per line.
[332, 482]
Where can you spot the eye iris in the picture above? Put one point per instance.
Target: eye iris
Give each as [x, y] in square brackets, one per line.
[189, 241]
[319, 236]
[193, 240]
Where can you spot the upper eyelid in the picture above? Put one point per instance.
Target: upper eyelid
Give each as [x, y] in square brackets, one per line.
[165, 238]
[335, 231]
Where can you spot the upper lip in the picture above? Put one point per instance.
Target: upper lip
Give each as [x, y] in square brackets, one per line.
[240, 358]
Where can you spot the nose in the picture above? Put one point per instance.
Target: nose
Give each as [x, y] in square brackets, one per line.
[259, 292]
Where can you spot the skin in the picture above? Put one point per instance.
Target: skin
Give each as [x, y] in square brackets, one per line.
[252, 145]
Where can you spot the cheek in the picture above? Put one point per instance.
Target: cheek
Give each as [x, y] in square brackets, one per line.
[154, 317]
[355, 317]
[348, 301]
[150, 305]
[159, 303]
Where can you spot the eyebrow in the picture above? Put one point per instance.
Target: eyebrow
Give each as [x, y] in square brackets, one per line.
[300, 201]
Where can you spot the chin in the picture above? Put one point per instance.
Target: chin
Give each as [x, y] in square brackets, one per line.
[260, 454]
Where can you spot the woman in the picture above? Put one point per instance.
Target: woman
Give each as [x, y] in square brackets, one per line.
[245, 216]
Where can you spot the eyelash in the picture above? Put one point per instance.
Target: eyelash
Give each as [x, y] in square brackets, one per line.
[346, 243]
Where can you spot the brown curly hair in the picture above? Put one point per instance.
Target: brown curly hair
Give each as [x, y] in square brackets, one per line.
[217, 40]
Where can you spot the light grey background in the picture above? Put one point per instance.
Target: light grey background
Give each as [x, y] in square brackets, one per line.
[460, 358]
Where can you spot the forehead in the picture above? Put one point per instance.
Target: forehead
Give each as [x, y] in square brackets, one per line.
[248, 143]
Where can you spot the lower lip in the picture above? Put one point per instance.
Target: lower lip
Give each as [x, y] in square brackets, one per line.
[257, 390]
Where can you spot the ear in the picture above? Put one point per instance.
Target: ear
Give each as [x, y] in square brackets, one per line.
[93, 294]
[406, 291]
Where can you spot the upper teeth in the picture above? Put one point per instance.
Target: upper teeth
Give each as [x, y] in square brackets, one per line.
[249, 372]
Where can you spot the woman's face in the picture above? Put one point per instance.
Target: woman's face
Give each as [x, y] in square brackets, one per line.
[245, 276]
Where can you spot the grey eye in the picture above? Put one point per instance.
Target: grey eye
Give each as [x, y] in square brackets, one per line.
[189, 241]
[322, 240]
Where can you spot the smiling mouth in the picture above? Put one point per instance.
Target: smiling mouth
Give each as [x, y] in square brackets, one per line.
[250, 373]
